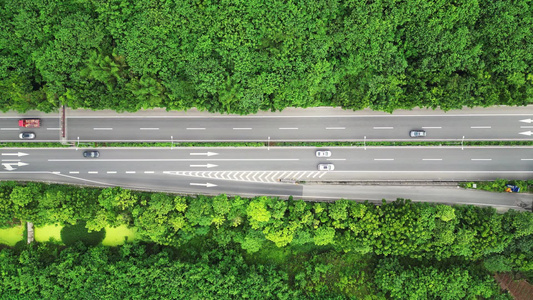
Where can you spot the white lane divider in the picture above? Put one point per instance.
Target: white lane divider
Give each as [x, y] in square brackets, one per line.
[526, 126]
[196, 128]
[74, 172]
[431, 127]
[9, 128]
[335, 128]
[111, 172]
[243, 128]
[431, 158]
[288, 128]
[383, 127]
[480, 127]
[481, 159]
[102, 128]
[526, 159]
[383, 158]
[130, 172]
[93, 172]
[148, 128]
[53, 128]
[148, 172]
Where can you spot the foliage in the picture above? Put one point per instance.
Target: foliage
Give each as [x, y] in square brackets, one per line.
[134, 271]
[385, 55]
[431, 282]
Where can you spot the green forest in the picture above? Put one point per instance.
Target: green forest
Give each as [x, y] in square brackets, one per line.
[233, 56]
[199, 247]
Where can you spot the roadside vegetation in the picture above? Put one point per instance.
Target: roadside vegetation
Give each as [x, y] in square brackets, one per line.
[386, 55]
[500, 185]
[267, 144]
[221, 247]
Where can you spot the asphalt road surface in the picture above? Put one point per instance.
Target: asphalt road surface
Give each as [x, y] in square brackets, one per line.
[319, 124]
[258, 171]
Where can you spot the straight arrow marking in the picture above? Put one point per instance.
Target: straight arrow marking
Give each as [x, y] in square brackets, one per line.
[203, 166]
[17, 154]
[527, 120]
[206, 154]
[203, 184]
[528, 133]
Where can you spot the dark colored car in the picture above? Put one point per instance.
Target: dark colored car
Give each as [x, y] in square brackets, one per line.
[417, 133]
[27, 135]
[91, 154]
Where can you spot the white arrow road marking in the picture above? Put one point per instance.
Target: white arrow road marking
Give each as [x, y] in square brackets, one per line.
[17, 154]
[206, 153]
[528, 133]
[19, 164]
[203, 166]
[204, 184]
[9, 167]
[527, 120]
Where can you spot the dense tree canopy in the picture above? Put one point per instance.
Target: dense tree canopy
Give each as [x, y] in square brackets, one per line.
[244, 56]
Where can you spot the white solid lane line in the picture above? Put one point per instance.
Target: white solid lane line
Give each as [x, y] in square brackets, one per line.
[242, 128]
[383, 158]
[431, 158]
[148, 128]
[481, 159]
[383, 127]
[431, 127]
[288, 128]
[102, 128]
[335, 128]
[480, 127]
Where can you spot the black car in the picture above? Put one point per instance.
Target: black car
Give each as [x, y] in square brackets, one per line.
[91, 154]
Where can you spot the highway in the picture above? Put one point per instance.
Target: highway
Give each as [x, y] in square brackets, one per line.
[257, 171]
[326, 124]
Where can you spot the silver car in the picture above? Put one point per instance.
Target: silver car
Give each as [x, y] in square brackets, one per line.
[326, 167]
[27, 135]
[417, 133]
[323, 153]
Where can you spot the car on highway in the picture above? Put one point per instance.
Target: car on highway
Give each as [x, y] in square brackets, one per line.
[323, 153]
[91, 154]
[326, 167]
[27, 135]
[417, 133]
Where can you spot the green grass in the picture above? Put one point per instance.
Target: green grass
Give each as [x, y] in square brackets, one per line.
[71, 234]
[118, 236]
[11, 236]
[47, 233]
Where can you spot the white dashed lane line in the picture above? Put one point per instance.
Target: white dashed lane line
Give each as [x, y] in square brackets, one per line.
[74, 172]
[148, 172]
[102, 128]
[480, 127]
[195, 128]
[148, 128]
[53, 128]
[383, 158]
[383, 127]
[9, 128]
[335, 128]
[130, 172]
[111, 172]
[481, 159]
[431, 127]
[242, 128]
[93, 172]
[431, 158]
[288, 128]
